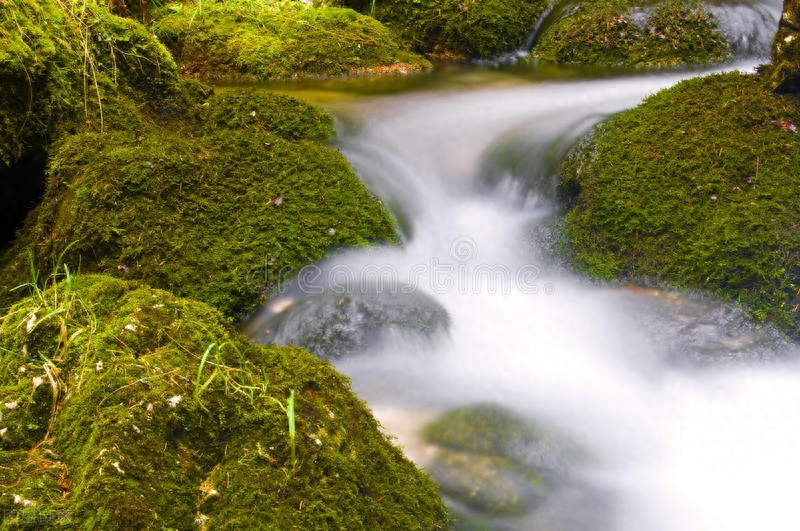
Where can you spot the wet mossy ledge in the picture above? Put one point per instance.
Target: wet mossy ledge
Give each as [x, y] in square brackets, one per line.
[618, 33]
[127, 407]
[456, 29]
[695, 187]
[276, 40]
[220, 208]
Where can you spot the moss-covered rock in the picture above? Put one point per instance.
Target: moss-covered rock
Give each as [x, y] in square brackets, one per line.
[697, 187]
[156, 414]
[62, 65]
[494, 462]
[784, 71]
[617, 33]
[37, 75]
[269, 40]
[460, 28]
[220, 209]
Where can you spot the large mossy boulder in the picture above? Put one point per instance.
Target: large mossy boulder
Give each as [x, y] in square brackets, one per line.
[60, 64]
[220, 207]
[696, 187]
[784, 71]
[457, 28]
[126, 407]
[269, 40]
[618, 33]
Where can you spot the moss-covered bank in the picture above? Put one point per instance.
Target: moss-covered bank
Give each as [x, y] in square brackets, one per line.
[618, 33]
[457, 28]
[268, 40]
[126, 407]
[220, 207]
[696, 186]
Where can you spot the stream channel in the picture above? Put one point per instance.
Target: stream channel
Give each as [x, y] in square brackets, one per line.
[686, 415]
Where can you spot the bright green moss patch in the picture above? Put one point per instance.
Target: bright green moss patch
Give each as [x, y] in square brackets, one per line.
[698, 187]
[266, 40]
[220, 210]
[614, 33]
[165, 417]
[465, 28]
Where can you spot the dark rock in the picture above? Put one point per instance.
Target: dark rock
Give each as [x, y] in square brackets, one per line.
[334, 324]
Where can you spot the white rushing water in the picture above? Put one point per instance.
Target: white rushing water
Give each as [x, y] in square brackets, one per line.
[675, 447]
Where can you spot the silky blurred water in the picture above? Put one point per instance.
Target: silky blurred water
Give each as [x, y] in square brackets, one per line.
[690, 413]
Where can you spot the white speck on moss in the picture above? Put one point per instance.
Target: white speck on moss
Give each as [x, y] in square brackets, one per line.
[130, 327]
[115, 464]
[37, 381]
[31, 322]
[174, 401]
[98, 366]
[11, 405]
[3, 432]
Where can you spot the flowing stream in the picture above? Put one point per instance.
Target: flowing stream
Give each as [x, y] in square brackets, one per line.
[690, 414]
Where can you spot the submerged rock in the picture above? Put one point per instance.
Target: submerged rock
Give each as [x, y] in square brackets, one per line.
[135, 408]
[487, 484]
[335, 324]
[493, 463]
[698, 330]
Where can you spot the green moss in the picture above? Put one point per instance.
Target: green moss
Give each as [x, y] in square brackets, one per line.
[50, 49]
[134, 444]
[483, 428]
[221, 212]
[68, 66]
[37, 71]
[266, 40]
[615, 33]
[471, 28]
[696, 186]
